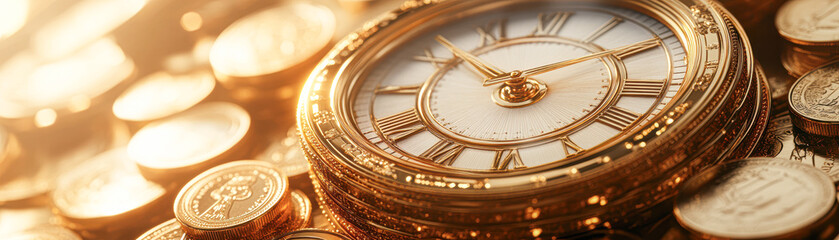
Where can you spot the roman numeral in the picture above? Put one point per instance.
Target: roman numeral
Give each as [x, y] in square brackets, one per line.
[429, 57]
[401, 125]
[550, 24]
[567, 145]
[443, 152]
[618, 118]
[493, 32]
[503, 159]
[603, 29]
[642, 88]
[398, 90]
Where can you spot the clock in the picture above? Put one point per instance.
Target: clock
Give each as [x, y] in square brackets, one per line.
[527, 118]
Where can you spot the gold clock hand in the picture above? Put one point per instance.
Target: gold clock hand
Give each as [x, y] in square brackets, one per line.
[517, 76]
[484, 68]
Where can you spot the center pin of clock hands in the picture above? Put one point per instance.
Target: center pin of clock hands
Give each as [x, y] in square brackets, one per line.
[517, 91]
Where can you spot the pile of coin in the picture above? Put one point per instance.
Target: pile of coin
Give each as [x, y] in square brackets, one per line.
[812, 33]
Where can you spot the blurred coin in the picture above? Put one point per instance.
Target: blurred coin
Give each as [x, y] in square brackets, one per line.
[162, 94]
[798, 60]
[809, 22]
[272, 40]
[9, 148]
[44, 233]
[35, 93]
[754, 199]
[169, 230]
[233, 200]
[45, 156]
[183, 145]
[814, 101]
[82, 24]
[782, 140]
[285, 152]
[311, 233]
[13, 15]
[107, 193]
[19, 219]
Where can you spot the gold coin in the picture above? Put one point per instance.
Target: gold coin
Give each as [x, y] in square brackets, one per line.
[754, 199]
[285, 152]
[798, 60]
[192, 141]
[162, 94]
[809, 22]
[233, 200]
[44, 233]
[169, 230]
[42, 159]
[272, 40]
[107, 192]
[814, 101]
[312, 233]
[37, 93]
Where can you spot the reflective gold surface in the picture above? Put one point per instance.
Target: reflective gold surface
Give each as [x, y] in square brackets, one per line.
[44, 233]
[169, 230]
[814, 101]
[191, 141]
[232, 199]
[162, 94]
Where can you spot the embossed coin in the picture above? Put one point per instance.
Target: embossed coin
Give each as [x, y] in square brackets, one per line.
[169, 230]
[754, 198]
[190, 142]
[814, 101]
[233, 200]
[809, 22]
[162, 94]
[44, 233]
[107, 192]
[782, 140]
[312, 233]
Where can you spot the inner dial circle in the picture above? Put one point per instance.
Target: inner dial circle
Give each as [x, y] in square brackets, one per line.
[457, 104]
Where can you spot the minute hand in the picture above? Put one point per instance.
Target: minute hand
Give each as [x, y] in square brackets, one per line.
[632, 48]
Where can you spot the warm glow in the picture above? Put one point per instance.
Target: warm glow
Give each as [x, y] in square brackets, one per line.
[191, 21]
[13, 14]
[45, 117]
[28, 84]
[162, 94]
[189, 138]
[272, 40]
[84, 23]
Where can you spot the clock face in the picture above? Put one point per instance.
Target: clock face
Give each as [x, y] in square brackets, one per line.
[520, 87]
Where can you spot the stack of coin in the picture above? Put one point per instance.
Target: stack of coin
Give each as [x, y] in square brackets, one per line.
[108, 198]
[241, 200]
[175, 149]
[263, 58]
[758, 198]
[812, 33]
[814, 101]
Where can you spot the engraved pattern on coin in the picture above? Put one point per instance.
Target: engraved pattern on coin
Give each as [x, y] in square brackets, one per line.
[238, 195]
[755, 198]
[237, 189]
[782, 140]
[816, 95]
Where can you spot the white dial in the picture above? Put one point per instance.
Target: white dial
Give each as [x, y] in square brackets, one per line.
[573, 78]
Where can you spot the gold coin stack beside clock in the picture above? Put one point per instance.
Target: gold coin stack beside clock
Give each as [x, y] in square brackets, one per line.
[437, 119]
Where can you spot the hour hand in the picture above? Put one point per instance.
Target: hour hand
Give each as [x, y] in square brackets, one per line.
[484, 68]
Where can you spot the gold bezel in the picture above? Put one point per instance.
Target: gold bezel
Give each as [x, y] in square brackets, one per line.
[699, 29]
